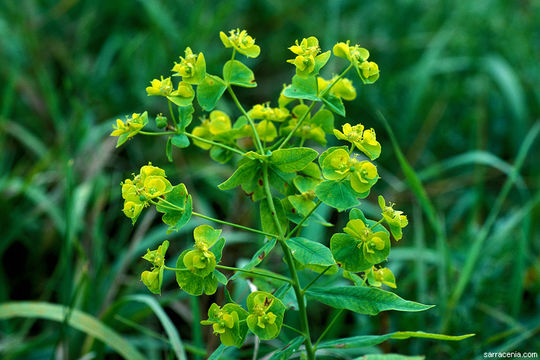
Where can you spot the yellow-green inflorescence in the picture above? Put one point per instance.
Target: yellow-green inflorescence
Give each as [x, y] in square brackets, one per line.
[149, 184]
[241, 42]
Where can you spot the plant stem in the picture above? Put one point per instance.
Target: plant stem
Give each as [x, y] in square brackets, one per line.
[226, 147]
[172, 114]
[157, 133]
[235, 225]
[251, 123]
[293, 329]
[195, 137]
[316, 278]
[377, 223]
[290, 263]
[176, 207]
[322, 93]
[255, 273]
[328, 327]
[299, 225]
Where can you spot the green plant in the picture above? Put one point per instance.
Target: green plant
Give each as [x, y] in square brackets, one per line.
[278, 171]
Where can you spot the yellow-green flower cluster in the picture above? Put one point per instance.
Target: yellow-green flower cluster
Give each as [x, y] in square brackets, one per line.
[338, 165]
[153, 279]
[368, 241]
[150, 183]
[265, 314]
[343, 88]
[367, 70]
[241, 42]
[218, 123]
[306, 53]
[132, 125]
[192, 67]
[364, 140]
[394, 218]
[229, 322]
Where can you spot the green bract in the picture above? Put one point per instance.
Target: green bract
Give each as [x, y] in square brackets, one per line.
[271, 151]
[394, 218]
[265, 314]
[241, 42]
[153, 279]
[192, 68]
[360, 247]
[229, 322]
[130, 128]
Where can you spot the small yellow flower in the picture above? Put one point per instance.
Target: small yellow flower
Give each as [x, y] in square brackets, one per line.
[192, 67]
[364, 140]
[130, 127]
[163, 87]
[241, 42]
[352, 53]
[369, 69]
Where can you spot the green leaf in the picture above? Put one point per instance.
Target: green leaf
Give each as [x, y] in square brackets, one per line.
[321, 60]
[329, 151]
[77, 319]
[310, 252]
[220, 154]
[176, 219]
[168, 149]
[236, 73]
[289, 349]
[210, 91]
[249, 176]
[217, 249]
[354, 342]
[391, 357]
[364, 300]
[347, 254]
[334, 103]
[267, 217]
[185, 116]
[191, 283]
[181, 101]
[302, 88]
[206, 234]
[216, 355]
[220, 277]
[371, 340]
[258, 257]
[271, 305]
[401, 335]
[180, 140]
[170, 329]
[325, 119]
[293, 159]
[337, 194]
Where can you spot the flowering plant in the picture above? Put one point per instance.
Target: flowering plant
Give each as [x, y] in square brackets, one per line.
[287, 181]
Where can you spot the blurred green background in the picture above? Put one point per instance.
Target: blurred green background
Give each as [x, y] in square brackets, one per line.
[459, 86]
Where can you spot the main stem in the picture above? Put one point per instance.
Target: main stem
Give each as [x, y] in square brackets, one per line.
[322, 93]
[292, 269]
[251, 123]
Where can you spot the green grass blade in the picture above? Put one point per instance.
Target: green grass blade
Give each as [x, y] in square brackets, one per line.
[429, 210]
[476, 248]
[170, 329]
[78, 320]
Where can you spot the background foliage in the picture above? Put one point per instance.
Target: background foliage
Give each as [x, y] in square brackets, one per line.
[458, 86]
